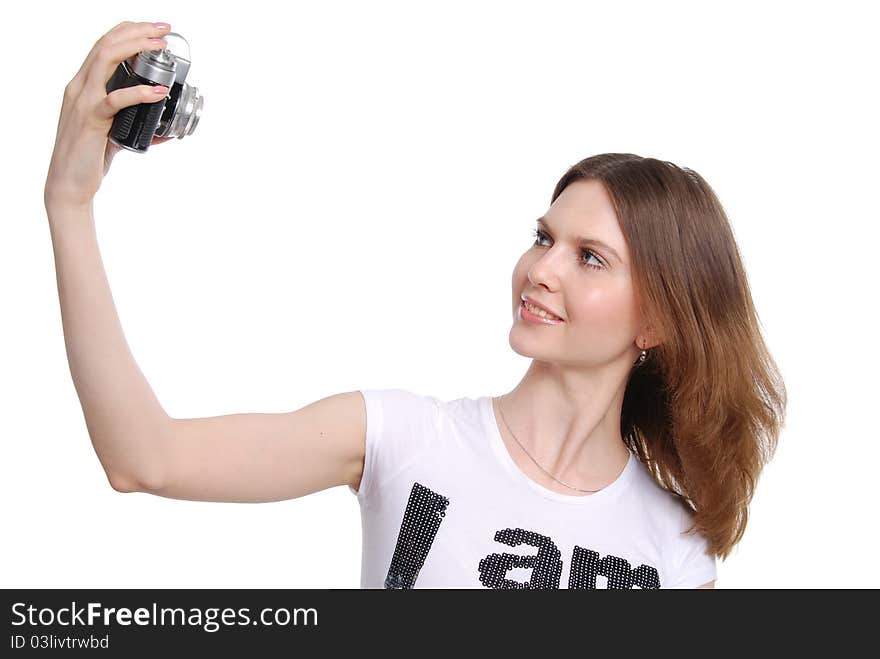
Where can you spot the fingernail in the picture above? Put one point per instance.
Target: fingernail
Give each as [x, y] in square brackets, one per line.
[160, 89]
[161, 26]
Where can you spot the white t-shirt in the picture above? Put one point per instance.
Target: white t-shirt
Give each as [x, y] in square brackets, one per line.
[443, 505]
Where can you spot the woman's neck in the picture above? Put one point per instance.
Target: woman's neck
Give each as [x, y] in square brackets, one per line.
[568, 422]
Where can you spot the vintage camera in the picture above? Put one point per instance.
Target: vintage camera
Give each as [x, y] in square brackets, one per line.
[176, 115]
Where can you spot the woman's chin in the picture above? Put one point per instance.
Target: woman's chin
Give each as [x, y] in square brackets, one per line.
[521, 347]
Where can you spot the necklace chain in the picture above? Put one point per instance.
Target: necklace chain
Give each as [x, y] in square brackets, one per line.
[535, 461]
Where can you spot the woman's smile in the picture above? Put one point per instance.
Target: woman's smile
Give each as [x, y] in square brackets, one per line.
[532, 315]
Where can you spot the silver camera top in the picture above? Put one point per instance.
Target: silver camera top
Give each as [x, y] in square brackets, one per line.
[165, 66]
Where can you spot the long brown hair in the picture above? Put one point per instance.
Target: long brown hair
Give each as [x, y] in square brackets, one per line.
[705, 409]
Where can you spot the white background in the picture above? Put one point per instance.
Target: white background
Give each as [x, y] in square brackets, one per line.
[348, 214]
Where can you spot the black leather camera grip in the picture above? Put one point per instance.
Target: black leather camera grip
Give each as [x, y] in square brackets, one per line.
[134, 126]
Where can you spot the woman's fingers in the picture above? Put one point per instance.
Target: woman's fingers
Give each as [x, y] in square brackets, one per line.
[109, 56]
[78, 79]
[122, 32]
[127, 96]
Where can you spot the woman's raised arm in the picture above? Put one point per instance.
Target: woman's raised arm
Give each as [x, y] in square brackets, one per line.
[236, 457]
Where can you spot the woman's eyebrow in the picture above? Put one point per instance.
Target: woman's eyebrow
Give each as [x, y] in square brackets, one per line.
[584, 241]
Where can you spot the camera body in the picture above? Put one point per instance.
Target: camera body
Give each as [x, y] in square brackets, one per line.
[176, 115]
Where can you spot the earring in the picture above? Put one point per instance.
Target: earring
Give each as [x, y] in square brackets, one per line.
[642, 357]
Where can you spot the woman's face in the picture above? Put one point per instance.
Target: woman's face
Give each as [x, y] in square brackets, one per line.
[587, 284]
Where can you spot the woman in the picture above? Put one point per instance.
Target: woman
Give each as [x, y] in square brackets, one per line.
[626, 457]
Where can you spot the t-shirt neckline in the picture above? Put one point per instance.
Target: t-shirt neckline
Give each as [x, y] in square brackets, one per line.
[509, 465]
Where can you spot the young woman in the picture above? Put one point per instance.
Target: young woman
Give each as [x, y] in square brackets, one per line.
[626, 457]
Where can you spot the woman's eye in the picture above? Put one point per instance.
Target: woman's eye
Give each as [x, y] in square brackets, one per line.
[587, 254]
[539, 236]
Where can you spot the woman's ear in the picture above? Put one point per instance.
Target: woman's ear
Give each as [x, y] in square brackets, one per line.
[648, 338]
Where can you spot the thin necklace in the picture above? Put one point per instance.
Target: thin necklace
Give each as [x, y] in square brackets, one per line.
[536, 462]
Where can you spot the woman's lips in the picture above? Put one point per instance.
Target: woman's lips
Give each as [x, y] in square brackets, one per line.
[528, 316]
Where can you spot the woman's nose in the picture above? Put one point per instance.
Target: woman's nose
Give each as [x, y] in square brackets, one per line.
[545, 270]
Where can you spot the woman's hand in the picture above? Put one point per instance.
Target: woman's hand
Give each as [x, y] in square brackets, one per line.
[83, 154]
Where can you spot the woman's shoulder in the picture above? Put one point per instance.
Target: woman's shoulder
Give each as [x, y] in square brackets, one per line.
[657, 496]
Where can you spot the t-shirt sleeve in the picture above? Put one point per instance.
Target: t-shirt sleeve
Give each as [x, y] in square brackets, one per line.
[399, 423]
[692, 564]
